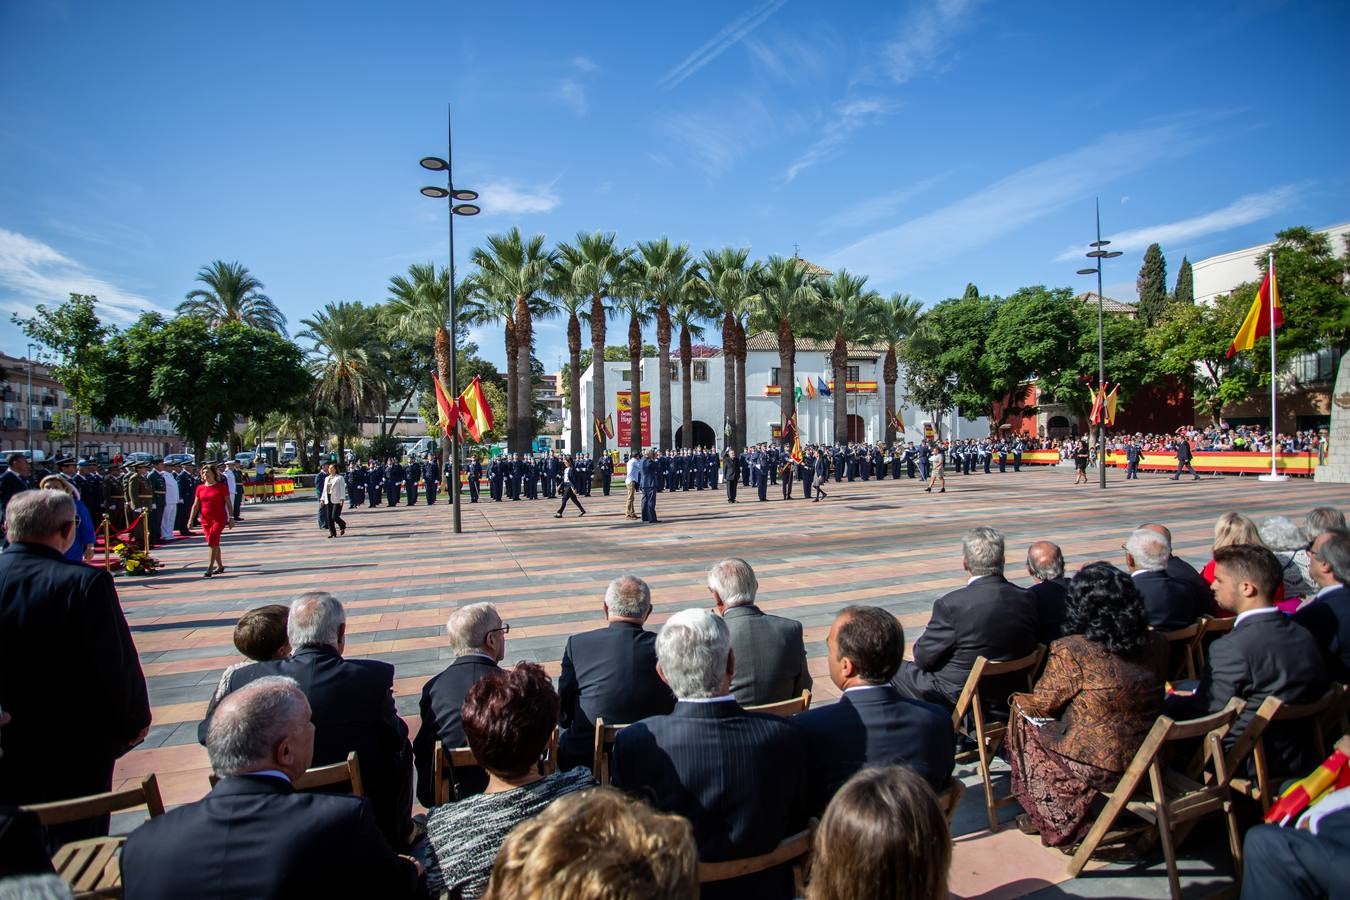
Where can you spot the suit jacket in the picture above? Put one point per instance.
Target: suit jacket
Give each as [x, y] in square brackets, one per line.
[1267, 654]
[442, 698]
[990, 617]
[353, 709]
[254, 836]
[1328, 618]
[649, 475]
[770, 656]
[738, 777]
[609, 673]
[1170, 602]
[11, 483]
[874, 726]
[1184, 572]
[1050, 597]
[69, 673]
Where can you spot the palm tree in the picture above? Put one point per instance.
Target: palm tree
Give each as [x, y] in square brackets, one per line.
[631, 296]
[787, 293]
[691, 308]
[600, 264]
[726, 279]
[347, 375]
[232, 294]
[419, 307]
[665, 268]
[521, 268]
[845, 310]
[570, 301]
[485, 305]
[900, 315]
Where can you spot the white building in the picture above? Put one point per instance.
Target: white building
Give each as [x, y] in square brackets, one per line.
[815, 416]
[1220, 274]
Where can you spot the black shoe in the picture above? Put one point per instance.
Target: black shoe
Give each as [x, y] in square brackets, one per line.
[583, 512]
[557, 515]
[206, 574]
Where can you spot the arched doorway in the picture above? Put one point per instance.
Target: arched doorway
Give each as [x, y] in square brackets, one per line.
[1058, 427]
[704, 436]
[857, 430]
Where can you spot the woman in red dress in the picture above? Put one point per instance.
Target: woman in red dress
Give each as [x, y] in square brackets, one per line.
[213, 502]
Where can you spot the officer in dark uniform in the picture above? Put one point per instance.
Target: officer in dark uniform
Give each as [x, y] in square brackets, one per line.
[530, 479]
[731, 470]
[374, 484]
[606, 472]
[1002, 457]
[156, 477]
[1018, 448]
[788, 468]
[411, 476]
[496, 478]
[475, 472]
[394, 476]
[356, 484]
[1133, 454]
[760, 475]
[923, 459]
[140, 495]
[806, 473]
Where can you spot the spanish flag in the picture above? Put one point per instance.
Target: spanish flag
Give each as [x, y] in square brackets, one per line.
[446, 418]
[1098, 405]
[474, 411]
[1258, 321]
[810, 388]
[1111, 406]
[609, 426]
[796, 439]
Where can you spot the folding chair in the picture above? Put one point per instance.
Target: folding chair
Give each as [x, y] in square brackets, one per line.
[1174, 800]
[785, 708]
[1210, 630]
[604, 743]
[347, 772]
[92, 867]
[795, 848]
[950, 798]
[445, 786]
[989, 736]
[1272, 710]
[1181, 644]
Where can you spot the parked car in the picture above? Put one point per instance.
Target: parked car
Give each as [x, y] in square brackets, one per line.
[187, 459]
[133, 458]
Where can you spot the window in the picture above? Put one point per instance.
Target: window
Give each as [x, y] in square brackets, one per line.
[700, 372]
[773, 377]
[626, 375]
[853, 373]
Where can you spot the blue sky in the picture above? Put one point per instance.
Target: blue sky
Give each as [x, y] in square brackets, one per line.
[925, 144]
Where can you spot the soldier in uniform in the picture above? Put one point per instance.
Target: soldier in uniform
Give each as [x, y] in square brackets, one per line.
[374, 484]
[475, 473]
[731, 470]
[90, 485]
[788, 467]
[356, 484]
[530, 479]
[1133, 454]
[496, 478]
[411, 476]
[140, 496]
[606, 472]
[806, 473]
[158, 495]
[1018, 448]
[394, 476]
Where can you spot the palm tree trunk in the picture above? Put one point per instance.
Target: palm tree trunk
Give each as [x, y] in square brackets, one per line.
[597, 323]
[839, 363]
[574, 381]
[787, 374]
[663, 375]
[634, 388]
[742, 426]
[890, 372]
[729, 433]
[441, 349]
[686, 386]
[524, 376]
[512, 364]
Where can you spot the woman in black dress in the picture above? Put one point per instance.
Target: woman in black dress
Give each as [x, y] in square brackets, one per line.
[1080, 461]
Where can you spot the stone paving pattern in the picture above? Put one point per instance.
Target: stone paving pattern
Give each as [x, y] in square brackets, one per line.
[399, 571]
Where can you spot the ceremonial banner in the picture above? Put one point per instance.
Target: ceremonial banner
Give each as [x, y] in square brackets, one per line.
[609, 426]
[623, 404]
[796, 439]
[474, 411]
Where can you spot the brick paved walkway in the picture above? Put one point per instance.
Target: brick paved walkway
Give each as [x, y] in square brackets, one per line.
[398, 572]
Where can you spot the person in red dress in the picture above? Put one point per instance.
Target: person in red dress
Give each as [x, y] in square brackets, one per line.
[213, 503]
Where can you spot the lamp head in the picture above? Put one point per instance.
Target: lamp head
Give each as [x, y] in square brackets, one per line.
[466, 209]
[434, 163]
[435, 193]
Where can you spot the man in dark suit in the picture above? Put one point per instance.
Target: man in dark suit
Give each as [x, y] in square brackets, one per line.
[1181, 570]
[253, 835]
[1299, 862]
[478, 640]
[872, 724]
[738, 777]
[1045, 564]
[989, 617]
[69, 673]
[13, 481]
[649, 475]
[1182, 447]
[730, 469]
[770, 651]
[353, 708]
[1328, 615]
[1266, 654]
[610, 673]
[1170, 602]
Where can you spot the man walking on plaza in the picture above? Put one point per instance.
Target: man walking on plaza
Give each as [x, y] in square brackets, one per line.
[630, 481]
[649, 475]
[1183, 451]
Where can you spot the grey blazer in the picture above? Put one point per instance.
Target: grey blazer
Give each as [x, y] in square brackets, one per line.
[770, 656]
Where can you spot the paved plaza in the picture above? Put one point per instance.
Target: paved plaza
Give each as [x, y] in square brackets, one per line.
[399, 572]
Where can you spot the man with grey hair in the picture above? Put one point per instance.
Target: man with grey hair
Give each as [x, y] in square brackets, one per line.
[254, 835]
[1050, 589]
[1170, 602]
[478, 641]
[770, 650]
[69, 672]
[989, 617]
[1328, 615]
[13, 481]
[352, 701]
[738, 777]
[610, 673]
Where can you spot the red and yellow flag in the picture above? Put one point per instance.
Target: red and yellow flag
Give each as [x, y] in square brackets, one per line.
[1258, 321]
[796, 453]
[1111, 406]
[446, 418]
[1098, 405]
[474, 411]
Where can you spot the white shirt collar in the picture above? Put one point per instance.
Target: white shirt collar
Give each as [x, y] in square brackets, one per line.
[1138, 572]
[1334, 586]
[865, 687]
[722, 699]
[1253, 612]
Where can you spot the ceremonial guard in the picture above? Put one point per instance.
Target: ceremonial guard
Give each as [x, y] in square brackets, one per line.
[606, 472]
[760, 477]
[497, 478]
[514, 474]
[394, 476]
[140, 496]
[374, 484]
[411, 476]
[431, 478]
[356, 484]
[187, 487]
[530, 479]
[789, 465]
[1133, 454]
[475, 473]
[160, 492]
[806, 473]
[90, 484]
[1018, 448]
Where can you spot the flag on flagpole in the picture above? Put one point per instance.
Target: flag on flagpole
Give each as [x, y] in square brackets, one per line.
[1098, 406]
[810, 388]
[796, 390]
[446, 417]
[796, 440]
[820, 386]
[609, 426]
[474, 410]
[1258, 321]
[1111, 406]
[599, 428]
[899, 421]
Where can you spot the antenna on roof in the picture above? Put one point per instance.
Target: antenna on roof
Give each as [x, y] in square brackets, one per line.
[796, 251]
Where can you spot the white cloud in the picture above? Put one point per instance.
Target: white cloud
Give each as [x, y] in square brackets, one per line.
[509, 198]
[1012, 202]
[848, 116]
[584, 64]
[715, 138]
[1242, 211]
[730, 35]
[925, 37]
[32, 272]
[573, 94]
[874, 209]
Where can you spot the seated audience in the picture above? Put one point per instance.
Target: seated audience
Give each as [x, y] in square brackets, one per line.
[352, 704]
[478, 640]
[260, 635]
[1229, 529]
[1328, 615]
[738, 777]
[597, 845]
[770, 651]
[610, 673]
[1318, 520]
[1170, 602]
[1100, 692]
[1045, 564]
[1178, 568]
[1285, 538]
[253, 835]
[1304, 862]
[1266, 654]
[508, 719]
[883, 837]
[872, 724]
[989, 617]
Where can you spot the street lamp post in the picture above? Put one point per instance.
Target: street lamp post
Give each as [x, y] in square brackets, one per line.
[1098, 253]
[450, 194]
[28, 413]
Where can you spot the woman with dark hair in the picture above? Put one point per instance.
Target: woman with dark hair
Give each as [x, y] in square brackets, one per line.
[883, 836]
[212, 502]
[508, 720]
[567, 491]
[1099, 695]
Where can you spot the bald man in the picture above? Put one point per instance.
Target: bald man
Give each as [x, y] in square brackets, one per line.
[1050, 589]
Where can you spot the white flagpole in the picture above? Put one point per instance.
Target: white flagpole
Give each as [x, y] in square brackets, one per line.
[1274, 444]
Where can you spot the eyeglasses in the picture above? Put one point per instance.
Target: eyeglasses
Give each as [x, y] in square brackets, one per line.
[504, 629]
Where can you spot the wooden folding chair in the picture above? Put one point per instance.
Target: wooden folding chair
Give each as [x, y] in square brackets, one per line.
[1251, 743]
[785, 708]
[989, 735]
[793, 848]
[1181, 644]
[950, 798]
[604, 743]
[1174, 800]
[1210, 629]
[347, 772]
[445, 787]
[92, 867]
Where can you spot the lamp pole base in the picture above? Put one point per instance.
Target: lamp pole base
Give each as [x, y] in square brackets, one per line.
[1272, 477]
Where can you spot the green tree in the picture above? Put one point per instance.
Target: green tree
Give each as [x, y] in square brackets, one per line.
[729, 280]
[1191, 343]
[1185, 290]
[73, 332]
[571, 302]
[232, 294]
[787, 292]
[900, 316]
[1033, 335]
[416, 317]
[692, 307]
[664, 269]
[846, 309]
[1314, 293]
[945, 361]
[347, 370]
[1152, 285]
